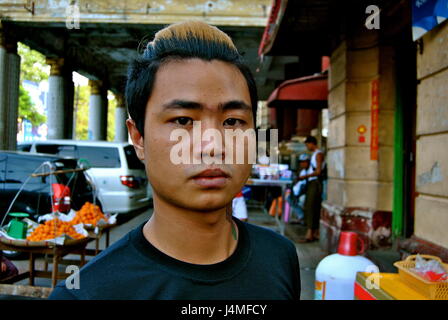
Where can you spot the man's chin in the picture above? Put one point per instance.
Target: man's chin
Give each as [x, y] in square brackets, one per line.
[204, 201]
[208, 203]
[199, 199]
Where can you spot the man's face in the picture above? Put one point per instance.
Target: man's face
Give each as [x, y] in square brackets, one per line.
[309, 146]
[214, 93]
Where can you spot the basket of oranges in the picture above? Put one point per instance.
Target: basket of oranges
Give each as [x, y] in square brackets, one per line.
[51, 232]
[55, 228]
[91, 216]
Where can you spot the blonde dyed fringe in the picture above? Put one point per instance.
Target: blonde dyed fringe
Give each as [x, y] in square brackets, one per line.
[195, 29]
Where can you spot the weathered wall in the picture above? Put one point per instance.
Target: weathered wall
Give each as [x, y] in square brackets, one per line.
[226, 12]
[354, 179]
[431, 207]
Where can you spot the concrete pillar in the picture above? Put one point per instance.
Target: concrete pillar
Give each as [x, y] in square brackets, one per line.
[55, 101]
[97, 111]
[360, 183]
[3, 90]
[9, 91]
[104, 113]
[121, 114]
[69, 94]
[12, 96]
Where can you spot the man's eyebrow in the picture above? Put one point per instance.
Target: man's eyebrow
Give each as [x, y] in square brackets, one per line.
[235, 105]
[182, 104]
[186, 104]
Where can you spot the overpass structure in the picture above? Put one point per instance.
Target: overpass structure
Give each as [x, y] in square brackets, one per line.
[98, 39]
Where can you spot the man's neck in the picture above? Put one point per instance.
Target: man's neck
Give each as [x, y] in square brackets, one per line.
[191, 236]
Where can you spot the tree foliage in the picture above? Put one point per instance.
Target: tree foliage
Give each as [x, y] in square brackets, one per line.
[27, 110]
[33, 66]
[81, 106]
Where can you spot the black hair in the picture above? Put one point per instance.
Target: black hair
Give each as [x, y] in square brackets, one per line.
[184, 40]
[311, 139]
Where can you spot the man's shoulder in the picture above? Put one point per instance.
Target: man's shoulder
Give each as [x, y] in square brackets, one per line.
[266, 238]
[105, 266]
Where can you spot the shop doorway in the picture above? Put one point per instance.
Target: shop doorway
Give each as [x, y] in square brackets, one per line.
[405, 135]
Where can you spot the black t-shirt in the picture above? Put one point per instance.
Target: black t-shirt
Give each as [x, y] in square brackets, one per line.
[264, 265]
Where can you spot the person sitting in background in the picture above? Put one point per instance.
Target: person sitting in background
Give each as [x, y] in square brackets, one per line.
[7, 268]
[297, 199]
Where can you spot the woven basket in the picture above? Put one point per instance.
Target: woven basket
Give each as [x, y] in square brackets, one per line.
[431, 290]
[39, 244]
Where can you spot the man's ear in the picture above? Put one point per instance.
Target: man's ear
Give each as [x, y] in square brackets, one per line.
[137, 139]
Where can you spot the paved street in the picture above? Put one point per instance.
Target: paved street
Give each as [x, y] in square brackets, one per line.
[309, 254]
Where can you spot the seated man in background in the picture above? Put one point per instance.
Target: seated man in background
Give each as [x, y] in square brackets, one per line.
[297, 198]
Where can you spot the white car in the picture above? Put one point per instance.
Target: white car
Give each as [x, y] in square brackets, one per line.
[118, 175]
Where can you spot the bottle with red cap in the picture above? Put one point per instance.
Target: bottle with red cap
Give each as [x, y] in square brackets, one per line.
[336, 273]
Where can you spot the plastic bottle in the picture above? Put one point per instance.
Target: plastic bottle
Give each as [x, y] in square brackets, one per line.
[336, 273]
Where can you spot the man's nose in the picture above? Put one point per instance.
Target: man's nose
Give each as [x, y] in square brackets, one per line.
[212, 143]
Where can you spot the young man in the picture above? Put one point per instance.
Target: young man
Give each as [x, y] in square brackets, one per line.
[313, 196]
[191, 247]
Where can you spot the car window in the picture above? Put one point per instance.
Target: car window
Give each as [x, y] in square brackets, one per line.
[19, 168]
[77, 179]
[100, 157]
[3, 158]
[24, 147]
[67, 151]
[47, 148]
[132, 159]
[57, 149]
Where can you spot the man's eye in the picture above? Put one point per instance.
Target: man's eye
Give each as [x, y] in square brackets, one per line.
[183, 121]
[233, 122]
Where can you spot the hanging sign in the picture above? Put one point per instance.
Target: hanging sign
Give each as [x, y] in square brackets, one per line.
[374, 114]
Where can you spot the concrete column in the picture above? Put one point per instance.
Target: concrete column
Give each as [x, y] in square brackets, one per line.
[104, 107]
[121, 114]
[9, 91]
[12, 96]
[55, 100]
[360, 186]
[69, 94]
[97, 111]
[3, 90]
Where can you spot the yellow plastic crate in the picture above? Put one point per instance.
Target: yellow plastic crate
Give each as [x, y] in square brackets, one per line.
[432, 290]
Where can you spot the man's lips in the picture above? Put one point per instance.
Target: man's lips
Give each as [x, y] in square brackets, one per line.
[211, 173]
[211, 178]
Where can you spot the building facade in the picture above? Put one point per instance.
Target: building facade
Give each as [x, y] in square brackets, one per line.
[388, 120]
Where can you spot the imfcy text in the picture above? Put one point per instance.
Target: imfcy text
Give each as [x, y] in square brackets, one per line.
[228, 310]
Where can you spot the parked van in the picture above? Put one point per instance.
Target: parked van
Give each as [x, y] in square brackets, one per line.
[117, 173]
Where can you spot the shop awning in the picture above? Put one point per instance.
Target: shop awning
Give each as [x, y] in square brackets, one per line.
[309, 92]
